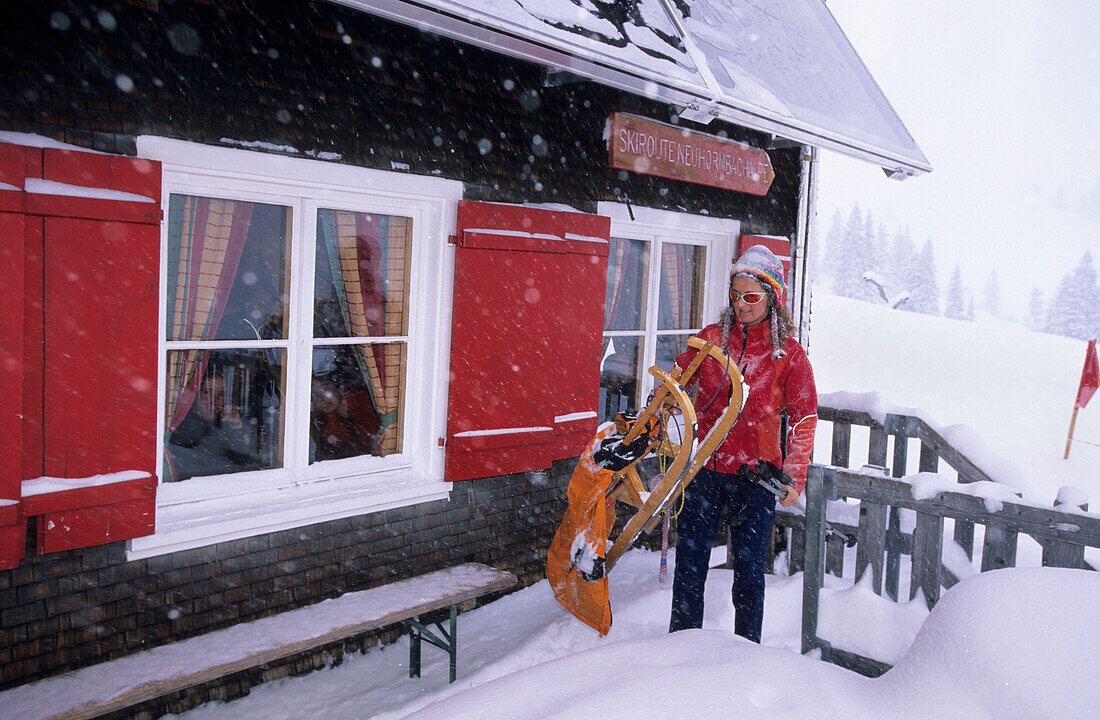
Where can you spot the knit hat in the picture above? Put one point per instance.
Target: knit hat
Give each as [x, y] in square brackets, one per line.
[762, 264]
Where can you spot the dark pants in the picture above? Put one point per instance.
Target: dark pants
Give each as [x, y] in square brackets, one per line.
[752, 512]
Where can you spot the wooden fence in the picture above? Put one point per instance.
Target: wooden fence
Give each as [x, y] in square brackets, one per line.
[1062, 532]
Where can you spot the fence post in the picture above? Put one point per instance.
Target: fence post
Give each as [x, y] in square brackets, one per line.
[871, 542]
[898, 426]
[999, 548]
[877, 445]
[820, 487]
[927, 557]
[1059, 554]
[842, 442]
[964, 529]
[902, 427]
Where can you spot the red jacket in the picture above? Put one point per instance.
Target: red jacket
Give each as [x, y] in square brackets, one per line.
[773, 386]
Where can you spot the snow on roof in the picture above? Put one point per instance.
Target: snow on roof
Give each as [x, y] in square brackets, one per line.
[781, 68]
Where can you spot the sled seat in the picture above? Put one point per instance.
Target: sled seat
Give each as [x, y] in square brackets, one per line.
[138, 679]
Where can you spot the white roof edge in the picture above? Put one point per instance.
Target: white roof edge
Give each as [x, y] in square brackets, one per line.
[679, 92]
[822, 139]
[465, 30]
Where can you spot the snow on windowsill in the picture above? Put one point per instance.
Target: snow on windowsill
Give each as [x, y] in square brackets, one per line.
[203, 511]
[46, 484]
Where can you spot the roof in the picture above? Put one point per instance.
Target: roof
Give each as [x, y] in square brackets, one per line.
[779, 67]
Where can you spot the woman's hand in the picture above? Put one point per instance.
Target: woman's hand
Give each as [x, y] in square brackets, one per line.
[790, 499]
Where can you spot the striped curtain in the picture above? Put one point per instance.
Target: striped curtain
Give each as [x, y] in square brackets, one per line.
[623, 255]
[367, 254]
[205, 240]
[678, 274]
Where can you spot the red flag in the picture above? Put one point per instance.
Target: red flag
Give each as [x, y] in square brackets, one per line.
[1090, 377]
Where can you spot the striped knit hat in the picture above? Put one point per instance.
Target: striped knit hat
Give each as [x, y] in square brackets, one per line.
[763, 265]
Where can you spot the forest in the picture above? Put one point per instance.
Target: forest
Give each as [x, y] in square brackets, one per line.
[864, 260]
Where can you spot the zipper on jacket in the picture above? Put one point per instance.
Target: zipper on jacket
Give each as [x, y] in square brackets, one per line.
[744, 342]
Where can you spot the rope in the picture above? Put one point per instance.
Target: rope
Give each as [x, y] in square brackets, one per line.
[1085, 442]
[662, 576]
[662, 573]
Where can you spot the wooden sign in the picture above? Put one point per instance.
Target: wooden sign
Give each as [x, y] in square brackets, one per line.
[653, 148]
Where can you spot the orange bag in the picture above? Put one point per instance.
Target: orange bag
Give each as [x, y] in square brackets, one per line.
[580, 544]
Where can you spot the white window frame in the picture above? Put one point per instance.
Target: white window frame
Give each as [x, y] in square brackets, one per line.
[718, 235]
[205, 510]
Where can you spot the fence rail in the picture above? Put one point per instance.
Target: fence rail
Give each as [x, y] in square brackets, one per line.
[1063, 532]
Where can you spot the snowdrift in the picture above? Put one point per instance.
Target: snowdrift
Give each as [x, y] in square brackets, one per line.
[1002, 644]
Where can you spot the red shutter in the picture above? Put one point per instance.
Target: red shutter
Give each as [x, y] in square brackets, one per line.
[525, 337]
[12, 233]
[88, 355]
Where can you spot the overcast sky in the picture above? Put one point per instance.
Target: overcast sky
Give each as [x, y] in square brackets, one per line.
[1003, 97]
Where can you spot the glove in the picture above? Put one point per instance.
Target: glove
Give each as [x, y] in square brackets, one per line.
[769, 477]
[769, 471]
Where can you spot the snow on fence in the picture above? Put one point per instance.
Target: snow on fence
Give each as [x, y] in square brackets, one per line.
[886, 492]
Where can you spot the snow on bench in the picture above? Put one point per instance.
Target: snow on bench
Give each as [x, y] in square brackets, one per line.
[133, 679]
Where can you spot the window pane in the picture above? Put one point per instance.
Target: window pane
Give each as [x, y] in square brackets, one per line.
[681, 303]
[227, 277]
[356, 400]
[622, 366]
[362, 275]
[224, 411]
[668, 347]
[627, 278]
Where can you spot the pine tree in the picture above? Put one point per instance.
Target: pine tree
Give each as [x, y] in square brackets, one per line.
[899, 261]
[853, 259]
[925, 291]
[955, 306]
[822, 267]
[1037, 317]
[1075, 309]
[993, 294]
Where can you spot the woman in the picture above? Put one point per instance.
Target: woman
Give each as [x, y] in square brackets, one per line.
[755, 332]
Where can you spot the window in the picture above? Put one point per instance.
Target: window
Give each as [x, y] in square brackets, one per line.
[361, 304]
[665, 282]
[227, 342]
[301, 343]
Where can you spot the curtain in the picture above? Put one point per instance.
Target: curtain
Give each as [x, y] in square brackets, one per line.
[678, 280]
[624, 301]
[205, 238]
[616, 273]
[367, 257]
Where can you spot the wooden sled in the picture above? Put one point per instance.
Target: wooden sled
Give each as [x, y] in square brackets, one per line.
[583, 551]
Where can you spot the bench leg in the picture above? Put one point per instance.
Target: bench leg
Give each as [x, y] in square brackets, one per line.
[448, 642]
[414, 650]
[453, 649]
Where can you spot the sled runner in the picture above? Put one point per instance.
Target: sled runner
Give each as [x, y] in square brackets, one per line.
[610, 471]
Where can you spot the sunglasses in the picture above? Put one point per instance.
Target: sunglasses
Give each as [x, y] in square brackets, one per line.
[750, 298]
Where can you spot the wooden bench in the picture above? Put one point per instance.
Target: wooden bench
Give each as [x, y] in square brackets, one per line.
[139, 678]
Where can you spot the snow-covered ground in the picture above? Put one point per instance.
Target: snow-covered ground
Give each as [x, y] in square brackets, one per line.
[1012, 387]
[1009, 644]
